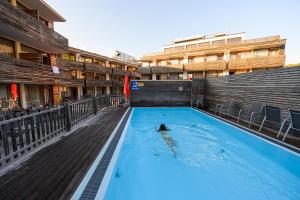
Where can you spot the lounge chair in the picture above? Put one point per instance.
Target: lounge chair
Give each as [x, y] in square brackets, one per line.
[255, 109]
[272, 114]
[224, 107]
[198, 100]
[295, 123]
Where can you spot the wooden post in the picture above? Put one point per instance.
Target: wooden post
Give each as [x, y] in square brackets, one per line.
[22, 95]
[95, 105]
[13, 2]
[68, 116]
[17, 49]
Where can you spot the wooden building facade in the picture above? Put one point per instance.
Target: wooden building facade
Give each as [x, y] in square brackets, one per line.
[219, 54]
[37, 66]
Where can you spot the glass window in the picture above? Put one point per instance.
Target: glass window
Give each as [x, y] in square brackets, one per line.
[175, 61]
[211, 58]
[272, 53]
[199, 59]
[261, 53]
[246, 54]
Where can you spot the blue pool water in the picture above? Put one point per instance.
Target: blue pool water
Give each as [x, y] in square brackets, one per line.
[213, 160]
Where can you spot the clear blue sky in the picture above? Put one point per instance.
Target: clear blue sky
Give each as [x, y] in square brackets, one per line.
[139, 26]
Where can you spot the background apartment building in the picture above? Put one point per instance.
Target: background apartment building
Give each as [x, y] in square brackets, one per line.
[217, 55]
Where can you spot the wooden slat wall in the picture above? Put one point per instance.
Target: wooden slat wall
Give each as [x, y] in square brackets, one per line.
[277, 87]
[23, 22]
[162, 93]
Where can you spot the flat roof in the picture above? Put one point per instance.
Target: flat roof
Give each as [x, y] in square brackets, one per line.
[46, 11]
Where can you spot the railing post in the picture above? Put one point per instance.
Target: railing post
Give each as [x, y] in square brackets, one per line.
[68, 116]
[107, 100]
[95, 105]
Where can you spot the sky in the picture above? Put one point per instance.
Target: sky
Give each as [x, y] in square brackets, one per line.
[137, 27]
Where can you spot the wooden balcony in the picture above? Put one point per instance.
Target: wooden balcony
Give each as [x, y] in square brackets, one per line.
[20, 26]
[94, 68]
[257, 62]
[206, 66]
[72, 65]
[90, 67]
[177, 66]
[22, 71]
[93, 83]
[120, 72]
[117, 83]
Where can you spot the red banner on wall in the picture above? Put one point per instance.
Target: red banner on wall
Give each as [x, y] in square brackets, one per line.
[14, 91]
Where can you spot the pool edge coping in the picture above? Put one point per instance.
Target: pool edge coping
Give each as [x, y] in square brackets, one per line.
[84, 182]
[112, 163]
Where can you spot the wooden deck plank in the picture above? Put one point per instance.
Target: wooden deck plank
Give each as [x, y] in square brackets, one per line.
[56, 171]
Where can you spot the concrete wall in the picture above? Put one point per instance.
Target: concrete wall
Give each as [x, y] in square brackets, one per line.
[161, 93]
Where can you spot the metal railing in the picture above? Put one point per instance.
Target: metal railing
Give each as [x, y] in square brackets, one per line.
[22, 134]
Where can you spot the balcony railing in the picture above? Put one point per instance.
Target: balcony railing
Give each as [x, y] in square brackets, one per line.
[90, 67]
[17, 70]
[72, 65]
[92, 83]
[205, 66]
[20, 21]
[257, 62]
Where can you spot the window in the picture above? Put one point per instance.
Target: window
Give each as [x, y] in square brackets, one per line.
[233, 55]
[145, 64]
[218, 42]
[191, 60]
[237, 39]
[7, 47]
[246, 54]
[212, 58]
[199, 59]
[88, 60]
[220, 57]
[168, 49]
[204, 44]
[191, 46]
[179, 48]
[272, 52]
[180, 76]
[174, 61]
[73, 74]
[261, 53]
[72, 57]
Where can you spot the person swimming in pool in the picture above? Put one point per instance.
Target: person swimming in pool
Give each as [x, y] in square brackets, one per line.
[163, 130]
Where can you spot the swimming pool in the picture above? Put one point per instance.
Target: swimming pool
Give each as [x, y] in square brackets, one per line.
[214, 160]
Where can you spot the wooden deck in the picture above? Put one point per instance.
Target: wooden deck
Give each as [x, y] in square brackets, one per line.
[55, 171]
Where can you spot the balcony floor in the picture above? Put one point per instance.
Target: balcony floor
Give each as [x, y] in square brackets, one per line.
[55, 171]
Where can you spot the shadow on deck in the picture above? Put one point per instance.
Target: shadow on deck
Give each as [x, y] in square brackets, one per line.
[55, 171]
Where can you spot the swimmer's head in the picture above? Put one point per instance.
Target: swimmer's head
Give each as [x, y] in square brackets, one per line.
[162, 127]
